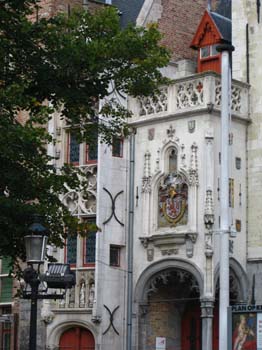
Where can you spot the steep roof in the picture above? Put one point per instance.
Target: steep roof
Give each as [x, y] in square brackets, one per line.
[129, 10]
[224, 26]
[212, 27]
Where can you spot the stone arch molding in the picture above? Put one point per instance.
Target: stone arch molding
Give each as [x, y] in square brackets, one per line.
[241, 278]
[140, 295]
[56, 332]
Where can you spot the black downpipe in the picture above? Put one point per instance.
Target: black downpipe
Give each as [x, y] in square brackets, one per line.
[247, 51]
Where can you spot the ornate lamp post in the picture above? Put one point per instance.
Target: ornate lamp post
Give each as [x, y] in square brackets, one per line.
[35, 245]
[57, 276]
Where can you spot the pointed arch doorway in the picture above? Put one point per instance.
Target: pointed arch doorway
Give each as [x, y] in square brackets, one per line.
[77, 338]
[172, 311]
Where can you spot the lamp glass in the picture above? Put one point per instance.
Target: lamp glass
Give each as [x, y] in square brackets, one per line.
[35, 246]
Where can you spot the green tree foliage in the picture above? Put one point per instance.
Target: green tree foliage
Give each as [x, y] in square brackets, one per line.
[65, 64]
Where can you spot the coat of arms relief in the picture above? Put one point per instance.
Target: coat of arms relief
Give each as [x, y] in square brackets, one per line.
[173, 201]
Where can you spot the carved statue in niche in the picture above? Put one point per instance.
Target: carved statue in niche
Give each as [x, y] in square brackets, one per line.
[173, 201]
[82, 294]
[91, 297]
[72, 297]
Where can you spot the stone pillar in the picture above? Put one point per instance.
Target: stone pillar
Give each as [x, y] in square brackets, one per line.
[207, 306]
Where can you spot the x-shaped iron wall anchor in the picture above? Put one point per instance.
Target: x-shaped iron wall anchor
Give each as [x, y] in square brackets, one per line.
[111, 320]
[113, 207]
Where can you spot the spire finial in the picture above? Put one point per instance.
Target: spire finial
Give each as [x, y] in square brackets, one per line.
[209, 5]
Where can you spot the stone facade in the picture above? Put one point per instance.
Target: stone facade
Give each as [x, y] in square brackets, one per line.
[247, 29]
[176, 201]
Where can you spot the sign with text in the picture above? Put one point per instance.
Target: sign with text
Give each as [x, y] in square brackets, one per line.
[160, 343]
[259, 331]
[246, 327]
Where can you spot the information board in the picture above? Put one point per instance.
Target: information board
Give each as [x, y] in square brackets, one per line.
[246, 327]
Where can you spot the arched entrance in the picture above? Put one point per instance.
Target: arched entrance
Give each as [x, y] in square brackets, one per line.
[237, 294]
[77, 338]
[172, 311]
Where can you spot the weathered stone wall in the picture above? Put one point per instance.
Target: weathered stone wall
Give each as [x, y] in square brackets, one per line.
[246, 13]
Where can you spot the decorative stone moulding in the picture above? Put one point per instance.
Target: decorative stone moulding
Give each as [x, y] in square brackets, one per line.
[198, 92]
[153, 104]
[83, 202]
[168, 239]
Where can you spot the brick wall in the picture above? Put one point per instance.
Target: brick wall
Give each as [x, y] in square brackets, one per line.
[179, 22]
[49, 8]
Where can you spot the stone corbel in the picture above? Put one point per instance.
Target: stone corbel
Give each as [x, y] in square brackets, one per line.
[144, 241]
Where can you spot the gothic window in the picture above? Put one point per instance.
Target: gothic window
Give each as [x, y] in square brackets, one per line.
[71, 250]
[6, 282]
[89, 254]
[73, 149]
[115, 255]
[117, 147]
[173, 201]
[77, 153]
[91, 151]
[5, 335]
[172, 161]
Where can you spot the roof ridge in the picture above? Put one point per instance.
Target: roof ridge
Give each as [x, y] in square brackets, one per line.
[218, 15]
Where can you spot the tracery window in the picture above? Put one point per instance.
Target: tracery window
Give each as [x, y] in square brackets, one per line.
[71, 250]
[73, 149]
[81, 153]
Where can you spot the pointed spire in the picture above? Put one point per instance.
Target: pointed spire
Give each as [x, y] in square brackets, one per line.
[209, 5]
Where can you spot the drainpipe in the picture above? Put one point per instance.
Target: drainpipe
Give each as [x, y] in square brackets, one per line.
[130, 242]
[226, 49]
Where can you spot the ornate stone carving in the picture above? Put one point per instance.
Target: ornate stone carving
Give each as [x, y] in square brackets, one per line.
[158, 161]
[146, 185]
[46, 314]
[209, 216]
[183, 156]
[168, 239]
[147, 164]
[150, 254]
[185, 283]
[173, 200]
[171, 132]
[191, 126]
[153, 104]
[207, 307]
[235, 96]
[84, 201]
[193, 170]
[82, 293]
[146, 181]
[190, 94]
[91, 295]
[208, 244]
[143, 310]
[173, 251]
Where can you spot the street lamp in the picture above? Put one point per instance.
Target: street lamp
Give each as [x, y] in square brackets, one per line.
[35, 245]
[58, 275]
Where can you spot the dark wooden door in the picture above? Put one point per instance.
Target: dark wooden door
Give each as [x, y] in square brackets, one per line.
[191, 329]
[77, 338]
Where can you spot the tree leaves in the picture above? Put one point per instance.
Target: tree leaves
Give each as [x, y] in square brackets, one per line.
[66, 64]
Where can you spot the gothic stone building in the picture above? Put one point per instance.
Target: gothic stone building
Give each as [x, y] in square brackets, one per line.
[169, 203]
